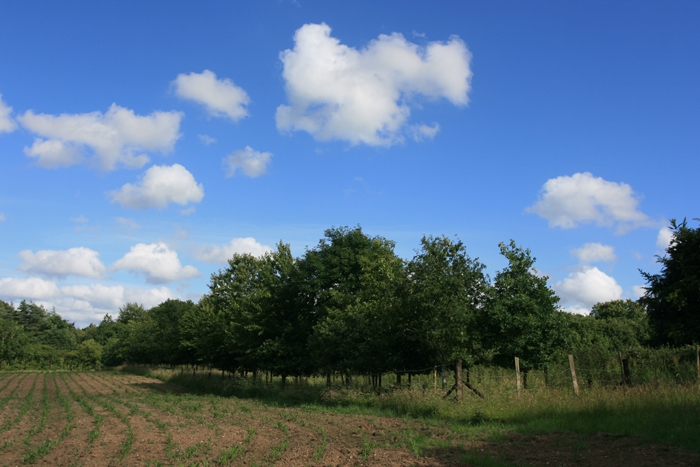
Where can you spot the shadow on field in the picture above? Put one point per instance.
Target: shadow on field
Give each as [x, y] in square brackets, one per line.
[162, 388]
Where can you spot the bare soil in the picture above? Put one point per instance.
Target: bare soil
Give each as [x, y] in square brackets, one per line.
[144, 422]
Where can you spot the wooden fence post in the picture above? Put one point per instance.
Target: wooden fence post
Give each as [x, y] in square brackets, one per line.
[458, 379]
[697, 359]
[435, 378]
[517, 375]
[573, 374]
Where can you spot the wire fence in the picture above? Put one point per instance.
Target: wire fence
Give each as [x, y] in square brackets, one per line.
[592, 369]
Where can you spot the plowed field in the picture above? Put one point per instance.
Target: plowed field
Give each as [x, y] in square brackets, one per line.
[101, 419]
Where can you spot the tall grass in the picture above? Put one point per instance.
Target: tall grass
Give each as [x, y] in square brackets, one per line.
[660, 411]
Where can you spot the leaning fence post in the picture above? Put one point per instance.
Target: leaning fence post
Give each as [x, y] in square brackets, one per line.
[573, 373]
[517, 375]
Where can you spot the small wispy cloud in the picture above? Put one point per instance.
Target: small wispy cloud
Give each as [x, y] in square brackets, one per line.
[126, 224]
[206, 139]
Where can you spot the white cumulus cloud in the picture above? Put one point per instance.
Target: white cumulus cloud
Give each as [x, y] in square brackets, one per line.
[222, 253]
[337, 92]
[221, 97]
[111, 298]
[83, 304]
[582, 198]
[157, 262]
[31, 288]
[78, 261]
[594, 252]
[253, 163]
[118, 137]
[585, 287]
[663, 239]
[160, 186]
[7, 124]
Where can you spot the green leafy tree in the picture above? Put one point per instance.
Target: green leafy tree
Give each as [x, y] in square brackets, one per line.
[623, 322]
[13, 341]
[134, 345]
[203, 333]
[672, 297]
[348, 286]
[522, 318]
[165, 335]
[89, 354]
[246, 301]
[611, 327]
[446, 289]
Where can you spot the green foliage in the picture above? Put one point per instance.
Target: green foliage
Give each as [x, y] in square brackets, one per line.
[522, 318]
[247, 311]
[348, 289]
[89, 354]
[13, 340]
[350, 306]
[446, 289]
[672, 297]
[614, 326]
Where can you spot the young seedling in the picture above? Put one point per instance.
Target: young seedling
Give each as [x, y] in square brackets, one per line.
[321, 448]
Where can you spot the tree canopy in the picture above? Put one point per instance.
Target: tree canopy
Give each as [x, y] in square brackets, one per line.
[350, 305]
[672, 296]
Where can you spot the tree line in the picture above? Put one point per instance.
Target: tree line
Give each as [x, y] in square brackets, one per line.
[351, 305]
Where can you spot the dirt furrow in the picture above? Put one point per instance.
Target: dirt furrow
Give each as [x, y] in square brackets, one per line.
[113, 436]
[11, 389]
[9, 383]
[76, 420]
[24, 414]
[190, 437]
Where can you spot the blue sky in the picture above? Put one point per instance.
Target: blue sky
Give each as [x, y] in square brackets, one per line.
[142, 143]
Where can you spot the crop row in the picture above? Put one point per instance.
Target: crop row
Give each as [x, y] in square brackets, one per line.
[91, 419]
